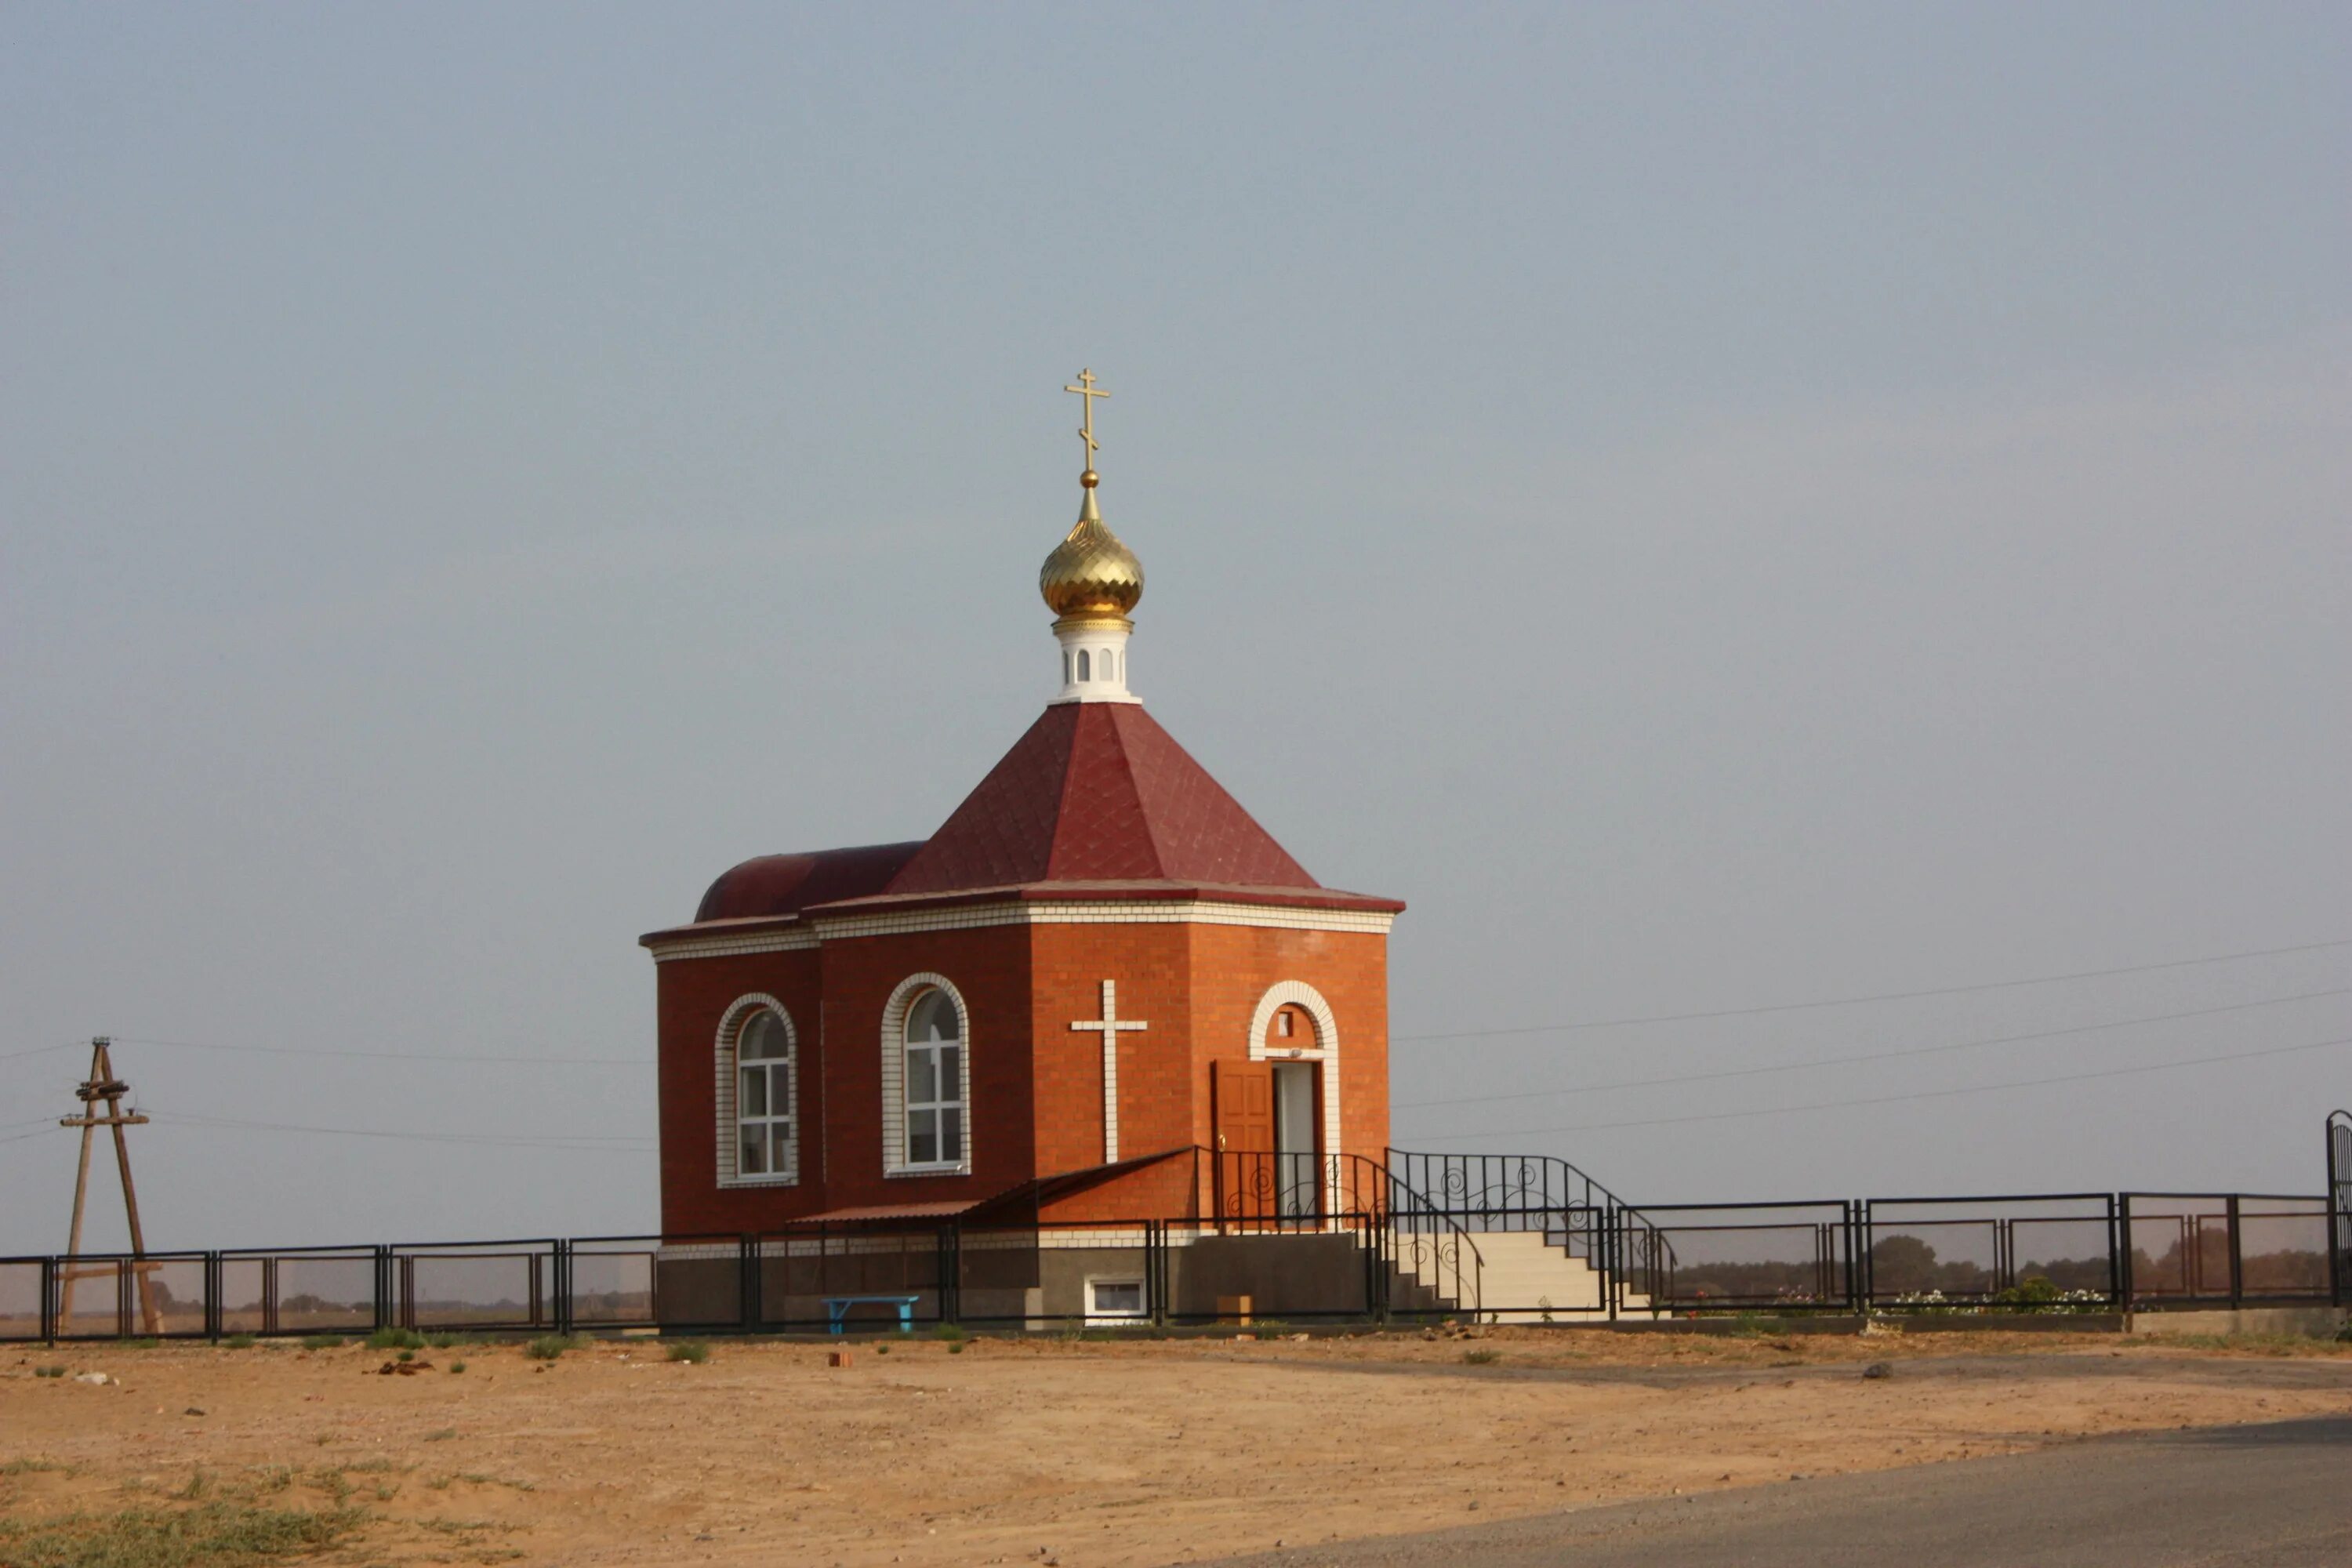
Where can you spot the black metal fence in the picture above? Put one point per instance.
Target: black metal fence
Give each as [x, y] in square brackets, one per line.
[2112, 1251]
[1287, 1236]
[1365, 1265]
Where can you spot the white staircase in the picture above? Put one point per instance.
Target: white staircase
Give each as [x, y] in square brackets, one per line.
[1528, 1218]
[1523, 1277]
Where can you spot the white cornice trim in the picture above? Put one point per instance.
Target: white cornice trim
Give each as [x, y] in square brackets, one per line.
[1096, 912]
[799, 936]
[789, 939]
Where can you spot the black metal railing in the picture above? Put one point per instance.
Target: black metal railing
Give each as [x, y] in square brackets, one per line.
[1706, 1257]
[1413, 1246]
[1288, 1235]
[2028, 1249]
[1522, 1192]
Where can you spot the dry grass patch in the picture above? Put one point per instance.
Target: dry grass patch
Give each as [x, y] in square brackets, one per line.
[222, 1533]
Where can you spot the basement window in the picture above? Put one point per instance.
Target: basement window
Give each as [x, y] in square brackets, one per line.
[1112, 1301]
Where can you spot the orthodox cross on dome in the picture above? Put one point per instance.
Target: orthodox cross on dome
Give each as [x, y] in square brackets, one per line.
[1109, 1025]
[1090, 391]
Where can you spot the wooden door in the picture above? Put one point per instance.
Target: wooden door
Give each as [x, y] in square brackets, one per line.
[1243, 1101]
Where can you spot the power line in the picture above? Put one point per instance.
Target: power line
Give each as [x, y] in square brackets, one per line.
[1856, 1001]
[1887, 1099]
[1394, 1040]
[1869, 1056]
[585, 1142]
[356, 1055]
[42, 1050]
[390, 1056]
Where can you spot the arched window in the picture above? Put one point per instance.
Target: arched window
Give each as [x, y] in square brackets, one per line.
[759, 1113]
[927, 1102]
[763, 1098]
[1082, 666]
[1066, 666]
[1103, 662]
[934, 1080]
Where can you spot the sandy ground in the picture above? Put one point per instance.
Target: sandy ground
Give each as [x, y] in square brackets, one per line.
[1087, 1454]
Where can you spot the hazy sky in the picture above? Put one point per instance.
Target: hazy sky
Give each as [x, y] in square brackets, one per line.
[1716, 507]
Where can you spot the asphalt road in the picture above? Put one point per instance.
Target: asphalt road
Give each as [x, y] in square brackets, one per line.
[2272, 1495]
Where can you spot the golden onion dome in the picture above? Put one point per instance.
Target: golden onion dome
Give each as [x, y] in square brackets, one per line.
[1091, 575]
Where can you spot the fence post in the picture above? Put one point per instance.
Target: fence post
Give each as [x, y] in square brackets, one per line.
[213, 1296]
[2236, 1259]
[747, 1281]
[2337, 1223]
[1368, 1259]
[563, 1286]
[1863, 1275]
[383, 1313]
[2125, 1284]
[2337, 1180]
[1155, 1263]
[48, 1299]
[1606, 1256]
[951, 1270]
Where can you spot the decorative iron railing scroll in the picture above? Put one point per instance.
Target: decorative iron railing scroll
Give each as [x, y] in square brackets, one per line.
[1488, 1193]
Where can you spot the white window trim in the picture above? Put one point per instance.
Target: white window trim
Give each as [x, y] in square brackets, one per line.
[894, 1078]
[1142, 1313]
[739, 1012]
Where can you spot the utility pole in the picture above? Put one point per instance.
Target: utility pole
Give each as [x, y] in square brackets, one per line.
[103, 1085]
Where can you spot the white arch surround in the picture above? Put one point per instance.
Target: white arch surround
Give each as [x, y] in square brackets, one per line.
[894, 1076]
[731, 1032]
[1298, 994]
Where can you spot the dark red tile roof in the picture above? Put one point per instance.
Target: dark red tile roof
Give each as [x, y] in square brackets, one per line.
[787, 884]
[1095, 802]
[1098, 792]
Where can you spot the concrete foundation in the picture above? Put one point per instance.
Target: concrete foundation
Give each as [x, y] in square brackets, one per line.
[2319, 1322]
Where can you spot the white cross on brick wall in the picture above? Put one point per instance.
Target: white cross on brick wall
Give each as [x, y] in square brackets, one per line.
[1108, 1025]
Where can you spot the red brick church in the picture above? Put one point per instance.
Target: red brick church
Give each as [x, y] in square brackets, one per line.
[1098, 968]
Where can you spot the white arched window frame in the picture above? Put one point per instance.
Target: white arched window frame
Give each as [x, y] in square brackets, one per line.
[757, 1106]
[1324, 1048]
[904, 1064]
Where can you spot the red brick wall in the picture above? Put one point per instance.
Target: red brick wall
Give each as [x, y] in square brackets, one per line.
[1037, 1083]
[1153, 966]
[1197, 986]
[989, 967]
[1236, 966]
[693, 994]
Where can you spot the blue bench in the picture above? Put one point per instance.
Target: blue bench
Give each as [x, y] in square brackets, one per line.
[836, 1309]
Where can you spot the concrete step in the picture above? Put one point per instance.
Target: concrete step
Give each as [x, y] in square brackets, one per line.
[1523, 1275]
